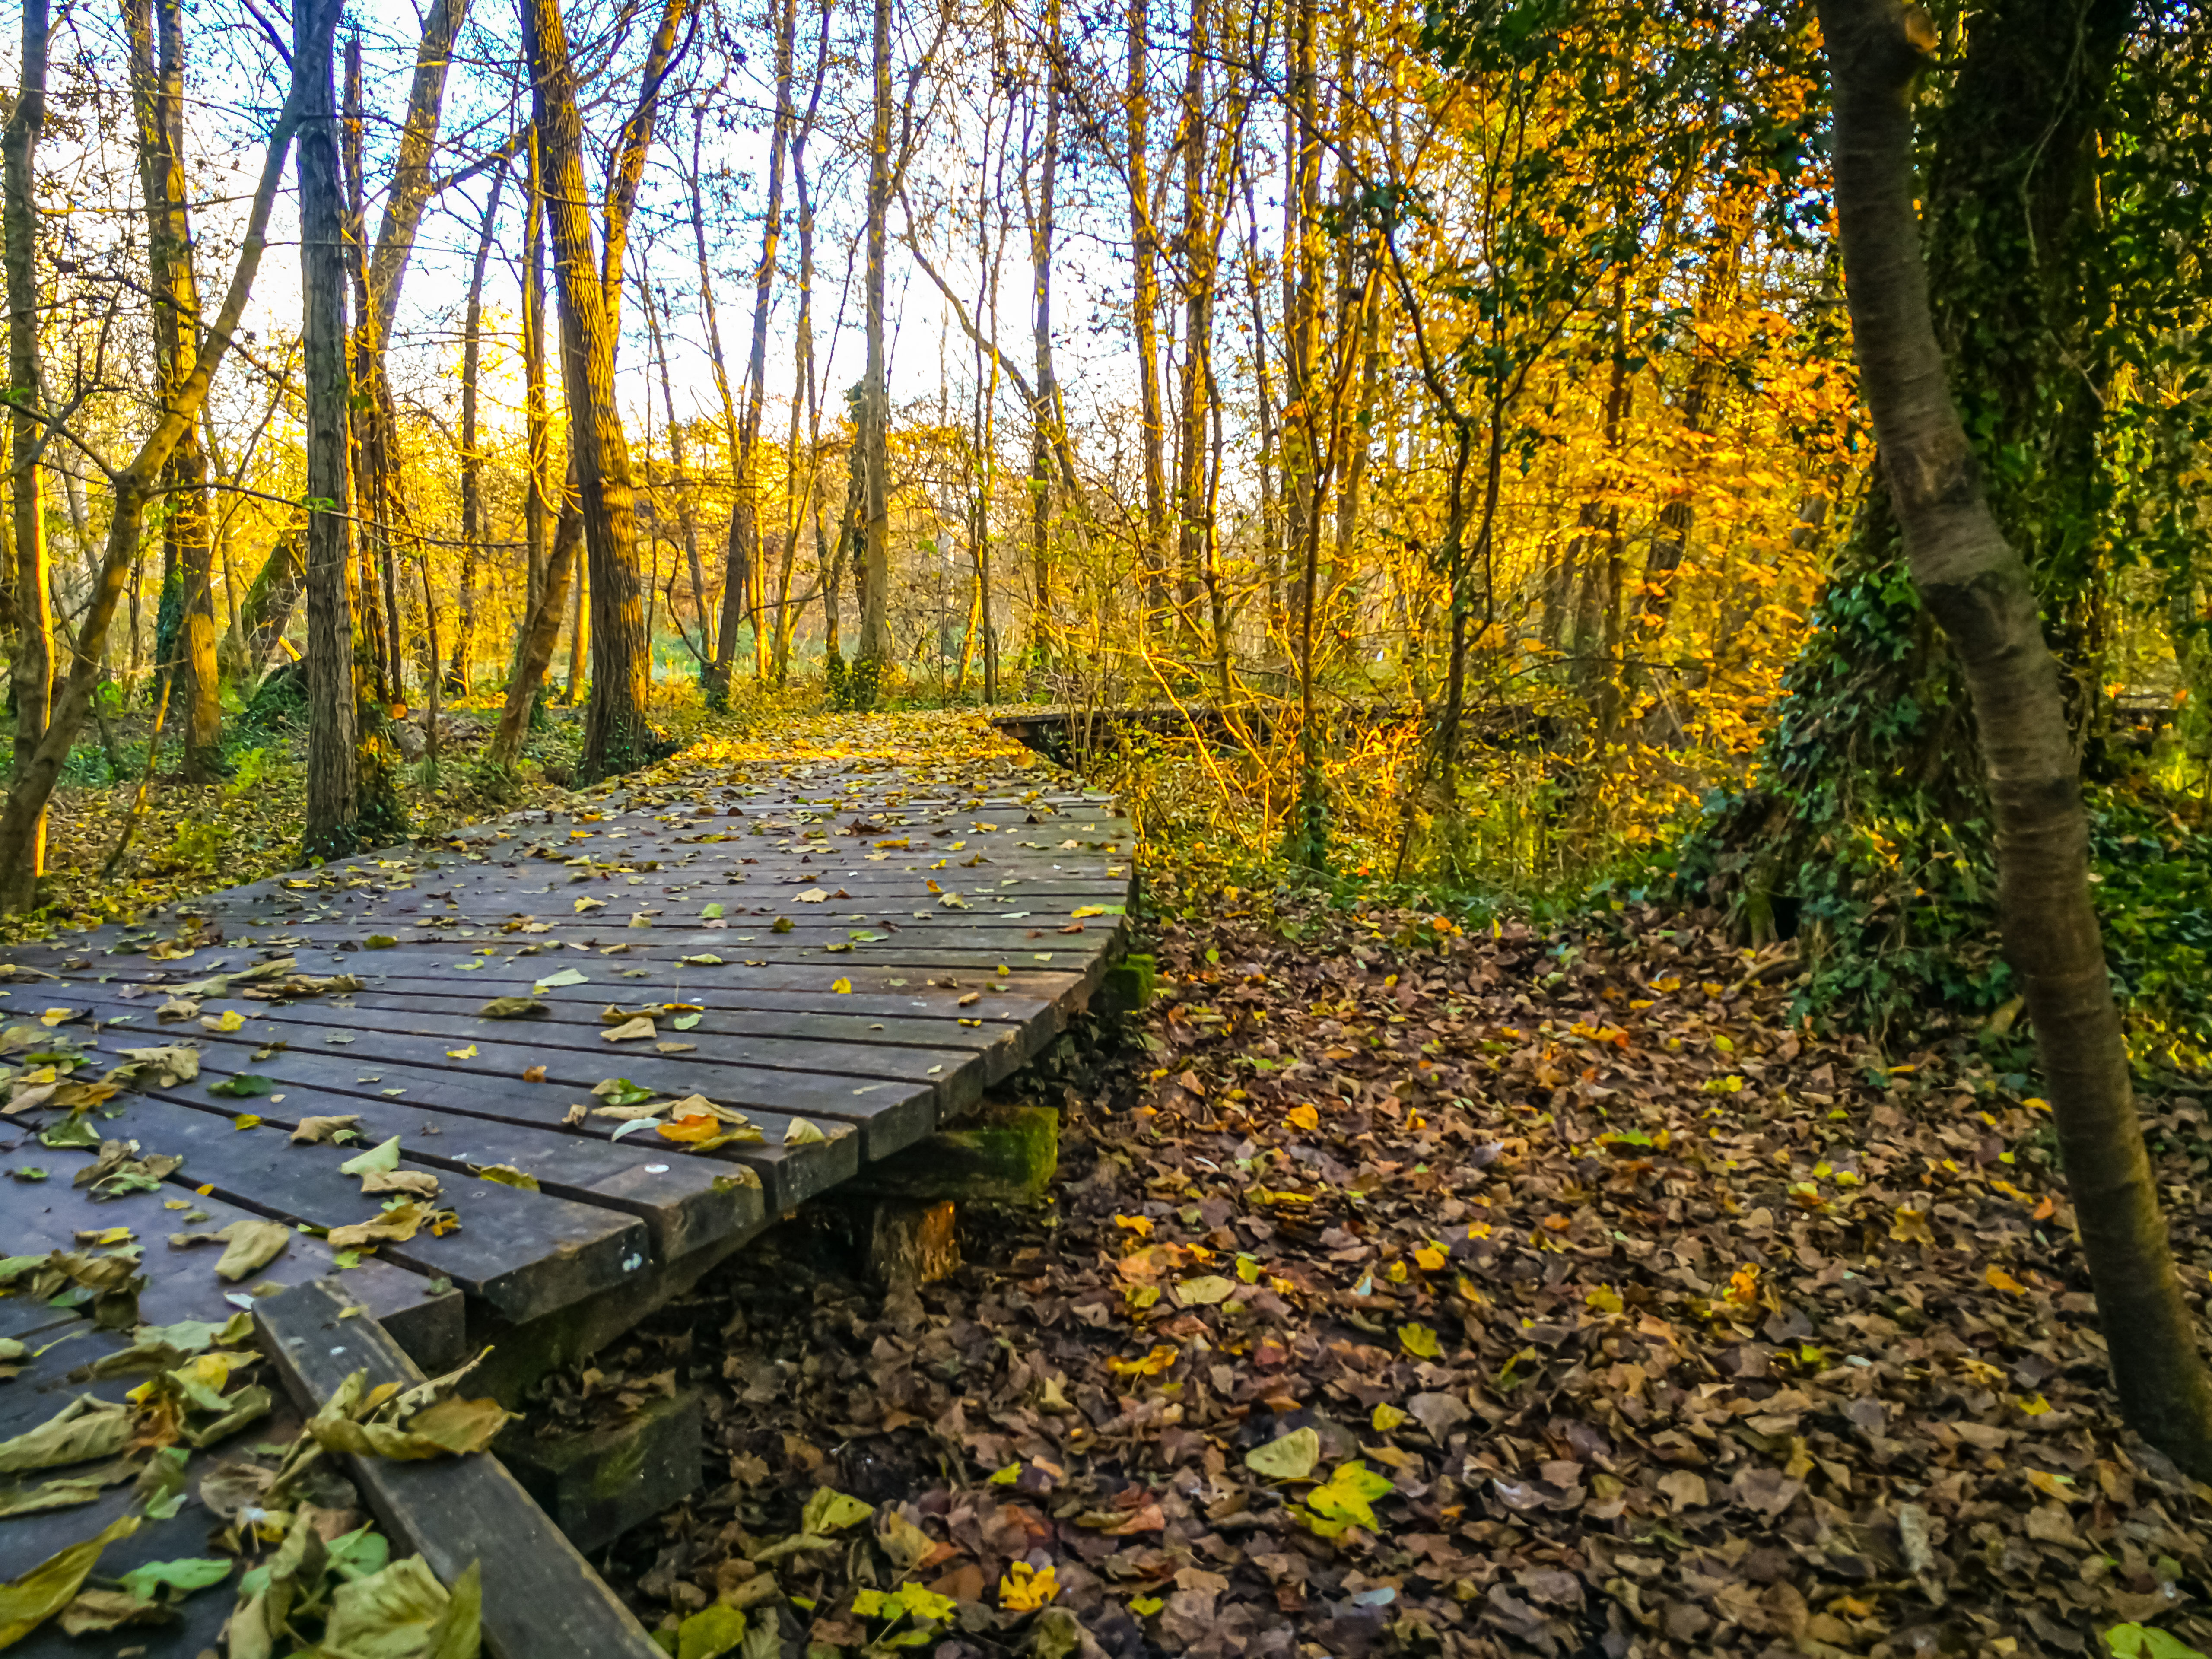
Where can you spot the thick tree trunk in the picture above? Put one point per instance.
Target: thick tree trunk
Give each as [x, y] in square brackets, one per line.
[616, 736]
[1976, 584]
[333, 750]
[34, 666]
[33, 786]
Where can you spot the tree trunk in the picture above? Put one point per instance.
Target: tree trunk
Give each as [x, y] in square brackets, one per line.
[333, 693]
[32, 785]
[533, 655]
[537, 426]
[871, 560]
[1144, 312]
[456, 676]
[34, 666]
[158, 88]
[725, 646]
[1198, 250]
[1046, 392]
[802, 503]
[687, 516]
[267, 608]
[743, 578]
[616, 736]
[1976, 584]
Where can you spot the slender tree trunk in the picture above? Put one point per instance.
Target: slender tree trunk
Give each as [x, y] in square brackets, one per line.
[871, 558]
[1144, 311]
[1976, 584]
[803, 502]
[1198, 334]
[457, 676]
[131, 488]
[157, 43]
[743, 570]
[266, 609]
[735, 575]
[1044, 415]
[686, 490]
[537, 424]
[533, 655]
[617, 735]
[333, 693]
[34, 666]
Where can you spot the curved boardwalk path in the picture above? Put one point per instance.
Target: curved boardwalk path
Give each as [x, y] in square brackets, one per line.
[836, 957]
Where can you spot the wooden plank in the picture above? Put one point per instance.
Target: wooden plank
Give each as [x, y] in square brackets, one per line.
[684, 1203]
[182, 1284]
[469, 1108]
[26, 1540]
[541, 1598]
[526, 1254]
[897, 1111]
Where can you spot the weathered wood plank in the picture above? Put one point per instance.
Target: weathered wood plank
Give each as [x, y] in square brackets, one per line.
[182, 1284]
[525, 1253]
[541, 1598]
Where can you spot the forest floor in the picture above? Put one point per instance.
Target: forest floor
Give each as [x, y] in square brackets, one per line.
[1409, 1290]
[1415, 1291]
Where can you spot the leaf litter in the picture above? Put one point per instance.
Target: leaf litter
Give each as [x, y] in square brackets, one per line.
[1579, 1303]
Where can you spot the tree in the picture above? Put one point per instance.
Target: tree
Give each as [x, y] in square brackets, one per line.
[334, 693]
[1976, 584]
[872, 561]
[186, 634]
[743, 580]
[617, 733]
[31, 579]
[131, 487]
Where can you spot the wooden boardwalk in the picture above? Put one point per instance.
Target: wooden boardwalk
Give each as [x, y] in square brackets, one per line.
[545, 1013]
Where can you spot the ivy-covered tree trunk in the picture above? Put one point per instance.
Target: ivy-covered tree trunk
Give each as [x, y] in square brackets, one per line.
[1975, 582]
[1876, 737]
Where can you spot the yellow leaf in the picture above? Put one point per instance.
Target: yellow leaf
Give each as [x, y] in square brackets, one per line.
[1743, 1287]
[1429, 1259]
[584, 904]
[1025, 1588]
[840, 985]
[469, 1053]
[1999, 1280]
[1386, 1417]
[1910, 1227]
[1303, 1117]
[228, 1020]
[1604, 1299]
[1419, 1341]
[1158, 1360]
[1139, 1225]
[1085, 912]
